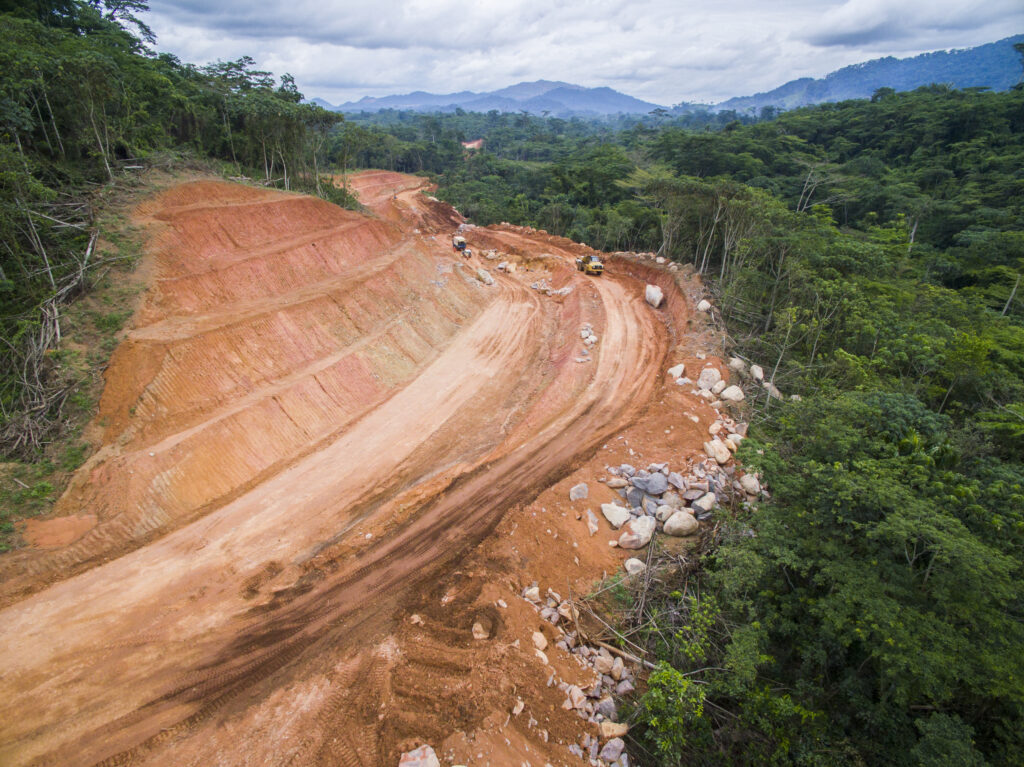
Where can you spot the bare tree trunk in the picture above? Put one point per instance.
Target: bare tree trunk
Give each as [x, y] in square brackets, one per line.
[1010, 299]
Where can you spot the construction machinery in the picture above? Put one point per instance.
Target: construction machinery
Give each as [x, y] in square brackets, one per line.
[590, 265]
[458, 242]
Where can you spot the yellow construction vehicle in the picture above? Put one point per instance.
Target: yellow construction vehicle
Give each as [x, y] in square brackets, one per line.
[590, 265]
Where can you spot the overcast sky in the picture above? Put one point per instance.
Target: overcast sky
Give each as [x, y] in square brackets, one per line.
[664, 51]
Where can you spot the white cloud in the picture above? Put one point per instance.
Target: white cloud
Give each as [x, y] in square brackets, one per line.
[664, 51]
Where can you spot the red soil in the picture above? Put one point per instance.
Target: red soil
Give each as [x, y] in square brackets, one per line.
[321, 423]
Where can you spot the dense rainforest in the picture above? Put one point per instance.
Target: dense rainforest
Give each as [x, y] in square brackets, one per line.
[867, 253]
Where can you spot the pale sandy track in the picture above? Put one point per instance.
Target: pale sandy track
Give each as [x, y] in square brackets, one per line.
[270, 579]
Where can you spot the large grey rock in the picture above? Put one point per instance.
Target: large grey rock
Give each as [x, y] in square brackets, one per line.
[676, 480]
[732, 394]
[578, 492]
[634, 497]
[615, 514]
[613, 749]
[637, 533]
[484, 276]
[423, 756]
[652, 484]
[650, 505]
[708, 377]
[626, 470]
[653, 295]
[681, 524]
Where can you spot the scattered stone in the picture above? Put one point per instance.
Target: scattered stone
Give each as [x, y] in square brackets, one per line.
[708, 377]
[737, 365]
[423, 756]
[613, 749]
[618, 668]
[578, 492]
[532, 594]
[735, 438]
[613, 730]
[681, 524]
[415, 620]
[718, 388]
[677, 371]
[653, 295]
[626, 470]
[479, 632]
[615, 514]
[664, 512]
[540, 641]
[676, 480]
[577, 697]
[592, 525]
[616, 482]
[704, 305]
[705, 502]
[716, 449]
[603, 664]
[606, 708]
[750, 484]
[652, 484]
[633, 566]
[623, 688]
[634, 497]
[757, 373]
[733, 394]
[637, 533]
[517, 709]
[541, 656]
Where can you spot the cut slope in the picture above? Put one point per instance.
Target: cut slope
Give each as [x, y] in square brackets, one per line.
[291, 465]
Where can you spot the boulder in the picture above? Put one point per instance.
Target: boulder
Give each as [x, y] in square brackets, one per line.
[704, 305]
[484, 276]
[578, 492]
[613, 729]
[613, 749]
[652, 484]
[681, 524]
[737, 365]
[705, 503]
[423, 756]
[653, 295]
[757, 373]
[719, 387]
[664, 512]
[708, 377]
[716, 449]
[637, 533]
[615, 514]
[750, 484]
[677, 371]
[634, 497]
[671, 498]
[633, 566]
[732, 394]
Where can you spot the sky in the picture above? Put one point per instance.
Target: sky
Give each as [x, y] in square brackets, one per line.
[663, 51]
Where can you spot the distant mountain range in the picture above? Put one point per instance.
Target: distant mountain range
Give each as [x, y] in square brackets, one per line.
[543, 96]
[995, 65]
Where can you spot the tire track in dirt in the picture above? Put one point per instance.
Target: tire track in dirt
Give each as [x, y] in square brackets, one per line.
[280, 582]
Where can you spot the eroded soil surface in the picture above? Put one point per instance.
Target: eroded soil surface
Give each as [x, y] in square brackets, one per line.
[320, 424]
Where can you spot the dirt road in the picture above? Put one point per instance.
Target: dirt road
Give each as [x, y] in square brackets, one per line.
[314, 419]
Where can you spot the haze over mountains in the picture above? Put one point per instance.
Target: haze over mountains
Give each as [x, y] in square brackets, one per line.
[994, 65]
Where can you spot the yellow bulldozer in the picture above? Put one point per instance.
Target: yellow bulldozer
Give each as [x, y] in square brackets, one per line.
[590, 265]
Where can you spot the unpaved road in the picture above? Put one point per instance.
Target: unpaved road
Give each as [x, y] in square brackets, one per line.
[314, 418]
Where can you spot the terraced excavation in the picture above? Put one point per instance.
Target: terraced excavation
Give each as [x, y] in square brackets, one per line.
[320, 423]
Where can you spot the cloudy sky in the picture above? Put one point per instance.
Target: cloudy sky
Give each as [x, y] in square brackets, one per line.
[665, 51]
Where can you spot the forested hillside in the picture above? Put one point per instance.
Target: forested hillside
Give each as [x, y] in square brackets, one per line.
[870, 253]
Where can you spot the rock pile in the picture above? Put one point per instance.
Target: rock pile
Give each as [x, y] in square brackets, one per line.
[593, 702]
[589, 338]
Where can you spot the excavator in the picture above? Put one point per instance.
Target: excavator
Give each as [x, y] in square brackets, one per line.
[590, 265]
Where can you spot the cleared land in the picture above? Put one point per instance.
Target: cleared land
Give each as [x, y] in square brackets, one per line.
[320, 423]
